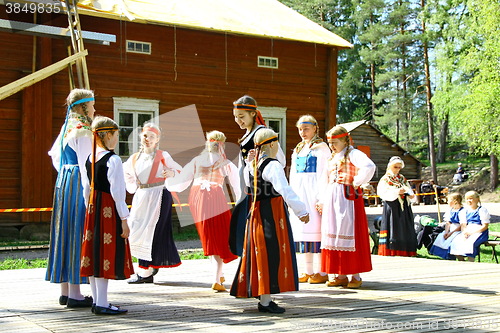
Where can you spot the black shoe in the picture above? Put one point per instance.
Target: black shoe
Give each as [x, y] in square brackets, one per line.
[109, 310]
[80, 303]
[272, 308]
[155, 271]
[63, 300]
[139, 279]
[93, 308]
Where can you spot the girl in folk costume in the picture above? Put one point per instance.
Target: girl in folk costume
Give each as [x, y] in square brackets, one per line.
[268, 265]
[309, 160]
[69, 153]
[249, 118]
[105, 249]
[151, 237]
[344, 227]
[207, 201]
[454, 217]
[474, 232]
[397, 230]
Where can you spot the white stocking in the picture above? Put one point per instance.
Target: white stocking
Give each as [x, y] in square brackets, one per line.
[218, 268]
[317, 261]
[102, 292]
[308, 258]
[64, 289]
[93, 288]
[74, 291]
[265, 299]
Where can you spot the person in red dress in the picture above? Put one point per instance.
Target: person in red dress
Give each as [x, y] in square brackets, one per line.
[105, 249]
[208, 203]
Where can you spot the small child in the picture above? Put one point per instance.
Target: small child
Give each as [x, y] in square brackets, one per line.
[454, 217]
[207, 201]
[474, 232]
[105, 249]
[268, 264]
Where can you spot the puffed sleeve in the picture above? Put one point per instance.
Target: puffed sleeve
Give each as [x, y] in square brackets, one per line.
[323, 152]
[55, 153]
[280, 156]
[130, 176]
[116, 180]
[462, 216]
[182, 181]
[385, 191]
[366, 167]
[484, 215]
[170, 163]
[275, 174]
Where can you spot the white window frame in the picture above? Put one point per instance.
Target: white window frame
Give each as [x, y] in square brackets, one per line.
[276, 113]
[135, 106]
[137, 42]
[273, 62]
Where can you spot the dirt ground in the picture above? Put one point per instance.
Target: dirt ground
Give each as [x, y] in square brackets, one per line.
[479, 180]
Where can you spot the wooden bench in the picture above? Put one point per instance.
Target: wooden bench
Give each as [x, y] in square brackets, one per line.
[493, 242]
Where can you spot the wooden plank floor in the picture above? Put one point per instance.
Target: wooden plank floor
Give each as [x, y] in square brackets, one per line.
[399, 295]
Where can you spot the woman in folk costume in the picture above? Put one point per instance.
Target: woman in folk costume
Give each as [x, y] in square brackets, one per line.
[249, 118]
[69, 153]
[207, 201]
[454, 217]
[345, 242]
[147, 174]
[474, 231]
[397, 230]
[268, 265]
[309, 160]
[105, 249]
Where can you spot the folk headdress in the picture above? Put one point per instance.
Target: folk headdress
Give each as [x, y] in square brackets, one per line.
[315, 140]
[96, 131]
[250, 107]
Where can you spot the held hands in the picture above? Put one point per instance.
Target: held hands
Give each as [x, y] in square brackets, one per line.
[304, 218]
[319, 208]
[251, 155]
[125, 229]
[168, 173]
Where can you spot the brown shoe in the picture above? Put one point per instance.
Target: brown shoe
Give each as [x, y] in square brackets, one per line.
[304, 277]
[318, 278]
[354, 284]
[218, 287]
[338, 282]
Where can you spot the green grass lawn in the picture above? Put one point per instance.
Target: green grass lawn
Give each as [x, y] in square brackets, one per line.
[486, 251]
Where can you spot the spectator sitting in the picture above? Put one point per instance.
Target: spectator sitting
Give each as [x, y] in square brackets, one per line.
[460, 174]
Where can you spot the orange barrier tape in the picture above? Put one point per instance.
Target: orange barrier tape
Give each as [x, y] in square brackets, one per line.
[49, 209]
[430, 193]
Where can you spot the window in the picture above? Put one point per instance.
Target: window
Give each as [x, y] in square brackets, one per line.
[267, 62]
[138, 47]
[275, 118]
[131, 114]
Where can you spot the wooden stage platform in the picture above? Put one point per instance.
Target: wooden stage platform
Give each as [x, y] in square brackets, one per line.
[399, 295]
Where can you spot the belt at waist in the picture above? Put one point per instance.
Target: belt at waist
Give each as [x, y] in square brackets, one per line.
[151, 185]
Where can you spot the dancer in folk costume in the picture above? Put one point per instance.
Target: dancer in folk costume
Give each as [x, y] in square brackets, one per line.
[397, 230]
[105, 249]
[249, 118]
[268, 265]
[69, 153]
[454, 217]
[345, 242]
[208, 203]
[147, 173]
[474, 232]
[309, 160]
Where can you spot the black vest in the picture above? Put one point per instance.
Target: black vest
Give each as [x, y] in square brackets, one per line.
[245, 148]
[101, 182]
[265, 189]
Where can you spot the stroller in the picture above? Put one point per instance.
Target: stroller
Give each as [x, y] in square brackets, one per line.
[427, 187]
